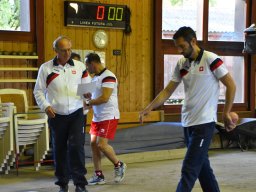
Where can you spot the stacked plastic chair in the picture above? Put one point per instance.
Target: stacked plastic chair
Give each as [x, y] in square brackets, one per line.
[6, 137]
[30, 127]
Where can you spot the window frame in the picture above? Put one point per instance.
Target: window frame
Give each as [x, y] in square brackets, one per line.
[27, 36]
[225, 48]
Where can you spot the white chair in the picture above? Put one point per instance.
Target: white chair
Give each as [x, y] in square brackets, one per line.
[6, 137]
[30, 126]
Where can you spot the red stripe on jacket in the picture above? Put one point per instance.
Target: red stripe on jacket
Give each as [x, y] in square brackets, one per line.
[183, 72]
[50, 78]
[109, 79]
[215, 64]
[85, 74]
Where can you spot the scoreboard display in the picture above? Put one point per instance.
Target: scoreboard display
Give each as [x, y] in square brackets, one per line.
[95, 15]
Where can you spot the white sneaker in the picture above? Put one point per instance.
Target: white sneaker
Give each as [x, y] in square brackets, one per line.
[96, 180]
[120, 173]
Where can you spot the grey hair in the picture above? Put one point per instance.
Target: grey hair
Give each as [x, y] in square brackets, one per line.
[56, 41]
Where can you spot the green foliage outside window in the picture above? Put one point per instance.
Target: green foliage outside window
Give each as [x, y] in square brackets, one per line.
[9, 14]
[176, 2]
[180, 2]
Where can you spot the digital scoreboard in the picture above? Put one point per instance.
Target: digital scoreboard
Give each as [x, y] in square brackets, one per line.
[95, 15]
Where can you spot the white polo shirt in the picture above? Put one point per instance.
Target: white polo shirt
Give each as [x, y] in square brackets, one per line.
[108, 110]
[56, 86]
[201, 85]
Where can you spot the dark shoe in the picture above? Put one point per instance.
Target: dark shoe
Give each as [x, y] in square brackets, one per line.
[64, 188]
[81, 189]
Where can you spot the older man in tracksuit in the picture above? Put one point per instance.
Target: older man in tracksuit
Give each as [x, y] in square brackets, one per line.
[56, 94]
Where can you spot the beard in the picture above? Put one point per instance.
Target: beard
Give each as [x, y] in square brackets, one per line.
[189, 52]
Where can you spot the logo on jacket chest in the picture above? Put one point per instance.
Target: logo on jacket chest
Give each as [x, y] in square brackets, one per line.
[57, 71]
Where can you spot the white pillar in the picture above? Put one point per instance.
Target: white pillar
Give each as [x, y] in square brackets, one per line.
[24, 15]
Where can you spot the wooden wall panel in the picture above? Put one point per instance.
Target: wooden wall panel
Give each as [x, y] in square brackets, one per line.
[1, 64]
[148, 73]
[134, 58]
[134, 68]
[16, 46]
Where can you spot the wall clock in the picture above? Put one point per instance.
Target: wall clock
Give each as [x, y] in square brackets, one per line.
[100, 39]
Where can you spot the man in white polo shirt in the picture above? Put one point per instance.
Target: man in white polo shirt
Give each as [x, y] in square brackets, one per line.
[200, 72]
[106, 114]
[56, 94]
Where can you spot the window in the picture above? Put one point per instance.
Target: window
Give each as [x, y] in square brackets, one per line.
[17, 20]
[169, 65]
[13, 15]
[234, 64]
[178, 13]
[226, 20]
[219, 27]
